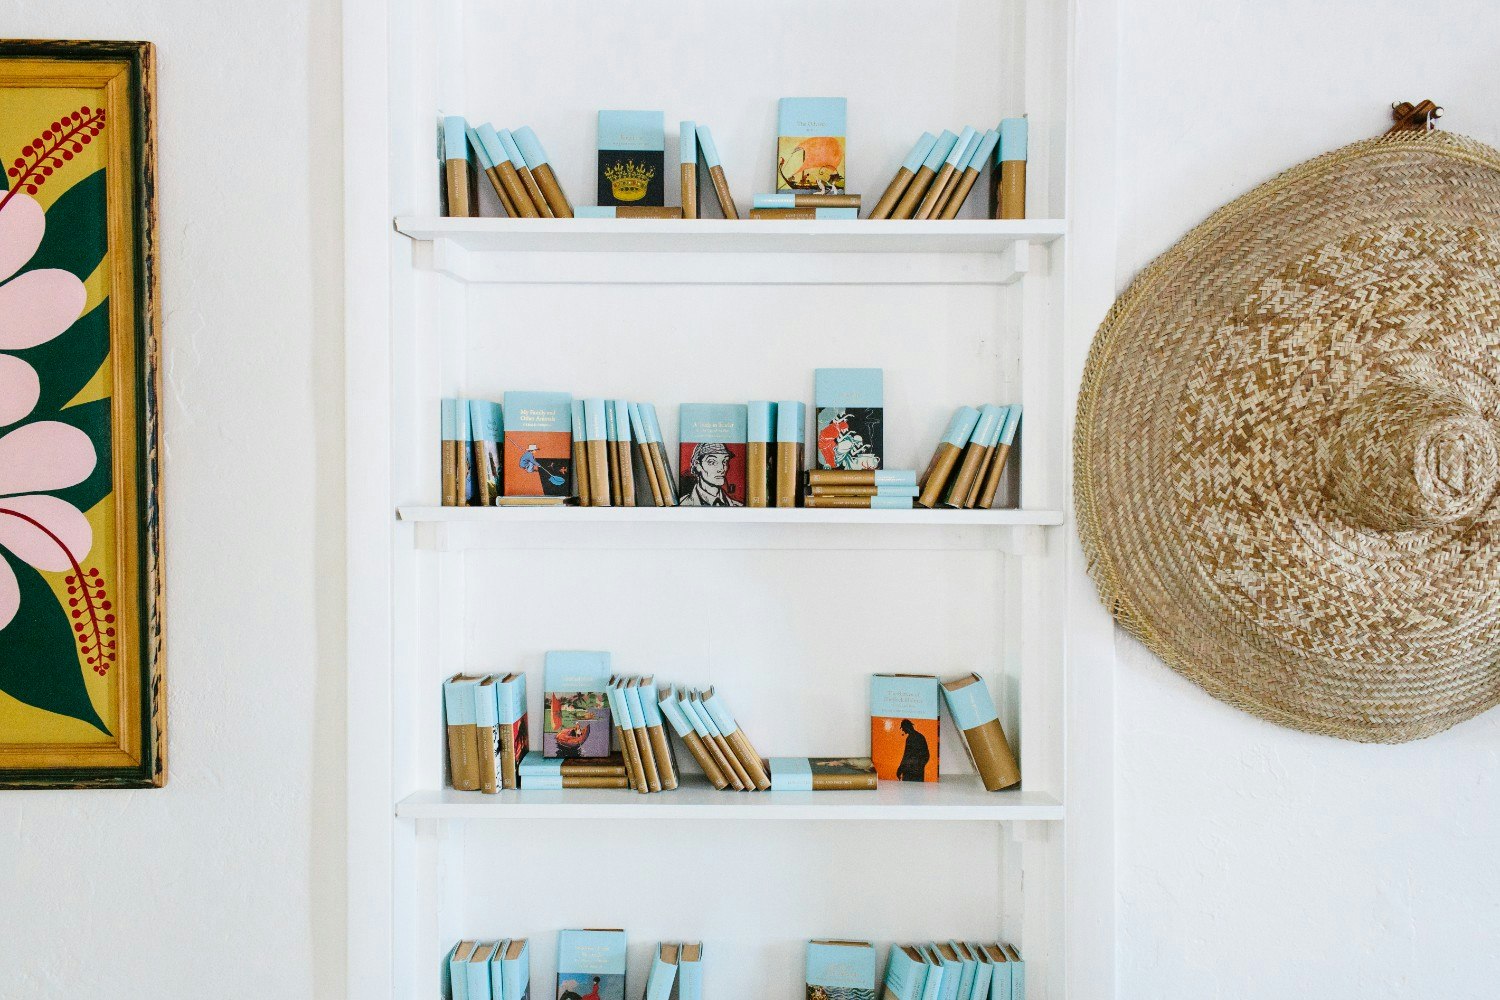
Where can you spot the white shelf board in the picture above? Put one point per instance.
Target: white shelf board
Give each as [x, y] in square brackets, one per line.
[444, 528]
[550, 251]
[957, 798]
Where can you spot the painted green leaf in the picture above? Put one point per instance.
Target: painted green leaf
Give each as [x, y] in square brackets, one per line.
[38, 654]
[67, 361]
[76, 237]
[93, 419]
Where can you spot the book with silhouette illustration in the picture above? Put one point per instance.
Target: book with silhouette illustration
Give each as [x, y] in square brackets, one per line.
[904, 726]
[591, 965]
[539, 448]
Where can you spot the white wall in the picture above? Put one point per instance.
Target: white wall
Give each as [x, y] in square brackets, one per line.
[237, 865]
[1254, 860]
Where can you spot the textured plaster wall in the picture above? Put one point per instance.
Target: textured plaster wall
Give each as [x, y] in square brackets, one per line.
[236, 867]
[1253, 860]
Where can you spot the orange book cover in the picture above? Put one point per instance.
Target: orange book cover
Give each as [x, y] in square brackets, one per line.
[539, 445]
[904, 727]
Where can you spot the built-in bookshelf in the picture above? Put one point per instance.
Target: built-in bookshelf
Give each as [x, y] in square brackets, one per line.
[791, 609]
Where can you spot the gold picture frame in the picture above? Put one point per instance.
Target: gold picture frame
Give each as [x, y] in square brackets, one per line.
[80, 431]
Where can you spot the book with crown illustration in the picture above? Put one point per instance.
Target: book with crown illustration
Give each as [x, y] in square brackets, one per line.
[591, 965]
[810, 144]
[711, 454]
[850, 417]
[539, 448]
[904, 726]
[632, 158]
[576, 718]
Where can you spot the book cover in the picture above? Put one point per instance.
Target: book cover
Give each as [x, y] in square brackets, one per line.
[577, 720]
[1002, 979]
[840, 970]
[632, 158]
[968, 968]
[487, 736]
[711, 454]
[850, 406]
[810, 144]
[711, 177]
[760, 438]
[458, 709]
[904, 726]
[984, 973]
[591, 965]
[515, 738]
[791, 441]
[687, 167]
[515, 971]
[663, 975]
[478, 970]
[458, 970]
[973, 713]
[952, 970]
[539, 444]
[905, 974]
[486, 425]
[1008, 200]
[1017, 972]
[690, 971]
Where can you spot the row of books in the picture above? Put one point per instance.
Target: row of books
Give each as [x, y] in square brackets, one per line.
[590, 966]
[969, 460]
[946, 970]
[606, 730]
[933, 182]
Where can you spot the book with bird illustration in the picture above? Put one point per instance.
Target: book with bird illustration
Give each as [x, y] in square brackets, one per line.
[539, 445]
[810, 144]
[850, 405]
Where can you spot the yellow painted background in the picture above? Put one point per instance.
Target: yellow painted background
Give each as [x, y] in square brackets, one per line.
[24, 112]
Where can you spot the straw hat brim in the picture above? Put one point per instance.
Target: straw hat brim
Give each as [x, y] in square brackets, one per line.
[1288, 444]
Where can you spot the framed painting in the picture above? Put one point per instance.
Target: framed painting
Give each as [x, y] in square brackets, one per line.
[81, 697]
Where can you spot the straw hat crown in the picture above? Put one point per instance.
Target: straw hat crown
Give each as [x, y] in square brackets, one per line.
[1288, 444]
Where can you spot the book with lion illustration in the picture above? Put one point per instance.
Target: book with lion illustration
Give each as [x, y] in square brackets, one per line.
[80, 547]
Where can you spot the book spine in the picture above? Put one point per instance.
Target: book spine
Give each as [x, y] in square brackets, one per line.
[974, 715]
[487, 155]
[643, 452]
[846, 214]
[966, 181]
[597, 451]
[757, 469]
[659, 454]
[920, 182]
[528, 182]
[1017, 976]
[958, 159]
[1002, 453]
[621, 458]
[749, 759]
[453, 153]
[463, 472]
[631, 692]
[904, 174]
[541, 171]
[458, 704]
[945, 174]
[946, 457]
[580, 457]
[858, 503]
[843, 782]
[973, 457]
[687, 156]
[604, 768]
[1010, 188]
[714, 742]
[448, 422]
[802, 199]
[789, 461]
[505, 175]
[987, 461]
[716, 176]
[626, 737]
[879, 478]
[661, 749]
[487, 736]
[909, 492]
[612, 451]
[456, 175]
[628, 212]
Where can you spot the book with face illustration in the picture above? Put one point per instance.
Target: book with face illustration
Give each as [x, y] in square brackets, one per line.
[711, 454]
[576, 721]
[850, 404]
[539, 448]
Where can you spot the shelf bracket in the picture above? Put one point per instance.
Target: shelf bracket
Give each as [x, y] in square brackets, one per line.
[1015, 261]
[433, 536]
[1027, 831]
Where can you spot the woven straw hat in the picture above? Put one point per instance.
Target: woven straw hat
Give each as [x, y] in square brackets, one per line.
[1288, 444]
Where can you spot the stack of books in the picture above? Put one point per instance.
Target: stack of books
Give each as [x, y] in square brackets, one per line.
[487, 731]
[954, 969]
[649, 763]
[540, 773]
[618, 455]
[965, 469]
[489, 970]
[937, 176]
[877, 489]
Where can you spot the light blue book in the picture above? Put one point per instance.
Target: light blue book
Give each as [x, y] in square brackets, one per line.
[919, 152]
[515, 971]
[455, 138]
[687, 143]
[619, 419]
[983, 974]
[905, 974]
[690, 971]
[790, 774]
[1017, 972]
[486, 161]
[810, 144]
[952, 970]
[940, 150]
[987, 428]
[458, 970]
[968, 140]
[497, 992]
[882, 502]
[477, 970]
[932, 989]
[984, 150]
[844, 970]
[791, 421]
[591, 963]
[969, 968]
[530, 146]
[961, 427]
[1002, 982]
[576, 718]
[1013, 139]
[494, 149]
[540, 774]
[663, 975]
[760, 421]
[1012, 422]
[673, 712]
[512, 150]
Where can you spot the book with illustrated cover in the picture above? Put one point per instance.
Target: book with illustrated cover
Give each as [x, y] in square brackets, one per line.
[711, 177]
[515, 739]
[840, 970]
[663, 975]
[539, 444]
[458, 709]
[487, 736]
[760, 444]
[791, 442]
[904, 726]
[458, 969]
[850, 405]
[822, 774]
[905, 974]
[690, 971]
[485, 422]
[576, 720]
[711, 454]
[515, 970]
[973, 713]
[810, 144]
[591, 965]
[687, 157]
[458, 184]
[632, 158]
